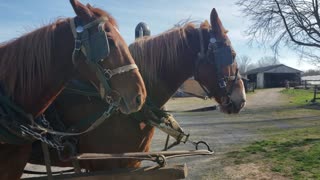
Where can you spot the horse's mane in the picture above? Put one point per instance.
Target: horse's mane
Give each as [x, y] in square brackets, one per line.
[153, 53]
[25, 61]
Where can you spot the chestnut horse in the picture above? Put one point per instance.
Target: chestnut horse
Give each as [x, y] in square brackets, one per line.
[36, 66]
[166, 61]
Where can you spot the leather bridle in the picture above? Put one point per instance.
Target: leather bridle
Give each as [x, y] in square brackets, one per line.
[95, 47]
[219, 54]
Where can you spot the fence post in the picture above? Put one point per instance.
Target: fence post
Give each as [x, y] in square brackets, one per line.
[305, 84]
[315, 93]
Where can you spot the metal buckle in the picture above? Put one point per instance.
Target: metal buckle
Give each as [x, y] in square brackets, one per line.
[79, 29]
[109, 99]
[107, 73]
[77, 44]
[222, 83]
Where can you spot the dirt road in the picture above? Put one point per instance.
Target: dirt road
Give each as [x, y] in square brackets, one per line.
[266, 109]
[266, 98]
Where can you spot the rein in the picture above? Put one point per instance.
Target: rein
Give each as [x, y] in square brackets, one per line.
[165, 121]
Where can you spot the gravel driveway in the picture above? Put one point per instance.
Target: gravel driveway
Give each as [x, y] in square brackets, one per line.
[265, 109]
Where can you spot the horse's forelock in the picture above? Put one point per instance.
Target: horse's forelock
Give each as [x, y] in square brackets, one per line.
[101, 13]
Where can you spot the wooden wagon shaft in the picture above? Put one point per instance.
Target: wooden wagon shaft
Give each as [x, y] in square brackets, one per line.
[145, 173]
[94, 156]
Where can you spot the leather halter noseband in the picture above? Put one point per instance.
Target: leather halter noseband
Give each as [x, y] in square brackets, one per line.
[84, 40]
[217, 52]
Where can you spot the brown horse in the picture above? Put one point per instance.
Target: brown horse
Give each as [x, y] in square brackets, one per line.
[35, 67]
[166, 61]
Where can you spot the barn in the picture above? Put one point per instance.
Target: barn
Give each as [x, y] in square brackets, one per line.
[273, 76]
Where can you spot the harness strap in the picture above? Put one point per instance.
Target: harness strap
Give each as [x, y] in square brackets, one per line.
[102, 74]
[102, 78]
[11, 116]
[235, 78]
[76, 34]
[201, 55]
[96, 123]
[77, 45]
[47, 160]
[213, 49]
[120, 70]
[202, 51]
[95, 22]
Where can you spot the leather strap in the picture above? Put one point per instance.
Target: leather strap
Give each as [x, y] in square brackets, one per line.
[120, 70]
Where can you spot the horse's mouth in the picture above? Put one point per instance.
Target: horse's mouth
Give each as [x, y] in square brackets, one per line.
[230, 108]
[123, 107]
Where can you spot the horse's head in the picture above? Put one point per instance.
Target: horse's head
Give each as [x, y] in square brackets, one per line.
[216, 69]
[99, 45]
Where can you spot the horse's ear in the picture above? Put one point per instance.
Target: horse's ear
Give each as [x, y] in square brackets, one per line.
[216, 25]
[81, 10]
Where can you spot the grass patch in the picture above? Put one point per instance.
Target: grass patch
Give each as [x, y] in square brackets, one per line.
[294, 154]
[298, 96]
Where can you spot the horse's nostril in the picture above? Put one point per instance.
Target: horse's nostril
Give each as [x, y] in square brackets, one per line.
[138, 100]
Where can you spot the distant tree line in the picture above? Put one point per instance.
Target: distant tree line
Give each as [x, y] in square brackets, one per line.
[245, 63]
[311, 72]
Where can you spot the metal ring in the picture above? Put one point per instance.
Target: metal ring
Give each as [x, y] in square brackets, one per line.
[161, 160]
[69, 150]
[108, 73]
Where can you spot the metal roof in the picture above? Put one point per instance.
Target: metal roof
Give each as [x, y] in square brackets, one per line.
[278, 68]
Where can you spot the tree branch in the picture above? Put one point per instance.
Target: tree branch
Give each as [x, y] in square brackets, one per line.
[289, 31]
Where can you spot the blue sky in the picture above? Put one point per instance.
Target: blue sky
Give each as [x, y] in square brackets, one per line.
[18, 17]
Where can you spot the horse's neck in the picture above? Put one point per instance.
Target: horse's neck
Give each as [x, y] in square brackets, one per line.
[62, 67]
[170, 78]
[59, 71]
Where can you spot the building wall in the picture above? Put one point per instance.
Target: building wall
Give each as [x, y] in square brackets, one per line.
[260, 80]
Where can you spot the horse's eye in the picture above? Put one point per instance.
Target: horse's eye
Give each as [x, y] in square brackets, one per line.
[107, 29]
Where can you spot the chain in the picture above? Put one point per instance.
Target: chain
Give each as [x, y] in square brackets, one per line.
[56, 141]
[42, 136]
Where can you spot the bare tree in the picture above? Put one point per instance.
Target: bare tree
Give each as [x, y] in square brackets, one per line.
[293, 23]
[252, 66]
[311, 72]
[263, 62]
[267, 61]
[243, 63]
